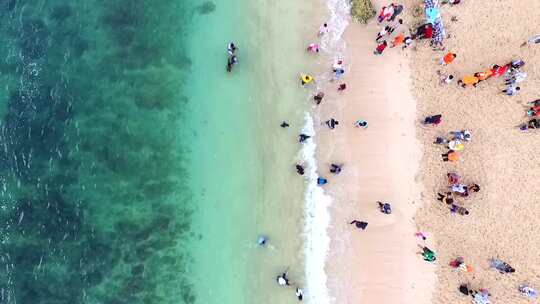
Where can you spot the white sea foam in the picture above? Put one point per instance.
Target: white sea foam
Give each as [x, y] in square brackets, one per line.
[338, 21]
[317, 219]
[317, 213]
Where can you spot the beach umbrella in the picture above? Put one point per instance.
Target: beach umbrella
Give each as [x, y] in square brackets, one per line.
[432, 14]
[438, 32]
[430, 3]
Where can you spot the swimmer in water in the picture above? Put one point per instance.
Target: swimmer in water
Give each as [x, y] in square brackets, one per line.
[299, 169]
[262, 241]
[303, 138]
[282, 279]
[284, 124]
[299, 294]
[231, 48]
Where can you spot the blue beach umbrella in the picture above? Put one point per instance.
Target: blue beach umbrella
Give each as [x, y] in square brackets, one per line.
[432, 14]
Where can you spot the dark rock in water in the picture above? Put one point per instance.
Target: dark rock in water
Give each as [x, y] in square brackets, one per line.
[206, 8]
[34, 39]
[7, 5]
[61, 13]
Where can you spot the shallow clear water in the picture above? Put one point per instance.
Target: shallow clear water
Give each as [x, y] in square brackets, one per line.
[134, 168]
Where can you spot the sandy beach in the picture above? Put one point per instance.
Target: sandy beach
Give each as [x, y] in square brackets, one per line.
[378, 264]
[395, 160]
[503, 216]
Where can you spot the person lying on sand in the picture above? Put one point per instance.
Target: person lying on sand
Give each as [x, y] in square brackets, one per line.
[450, 156]
[531, 125]
[433, 120]
[501, 266]
[458, 209]
[462, 135]
[511, 90]
[468, 80]
[424, 31]
[483, 75]
[445, 198]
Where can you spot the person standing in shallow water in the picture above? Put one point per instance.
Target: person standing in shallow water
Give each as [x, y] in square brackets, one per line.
[318, 98]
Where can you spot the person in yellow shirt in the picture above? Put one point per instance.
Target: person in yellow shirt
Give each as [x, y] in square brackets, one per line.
[468, 80]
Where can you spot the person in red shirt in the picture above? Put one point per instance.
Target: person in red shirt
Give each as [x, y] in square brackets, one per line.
[380, 48]
[499, 70]
[424, 31]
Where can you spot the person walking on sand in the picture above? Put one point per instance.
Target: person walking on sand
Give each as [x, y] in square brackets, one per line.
[318, 98]
[332, 123]
[335, 169]
[359, 224]
[342, 87]
[428, 254]
[361, 124]
[385, 207]
[448, 58]
[511, 90]
[380, 48]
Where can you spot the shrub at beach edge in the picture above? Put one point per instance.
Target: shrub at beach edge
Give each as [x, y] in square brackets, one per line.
[362, 10]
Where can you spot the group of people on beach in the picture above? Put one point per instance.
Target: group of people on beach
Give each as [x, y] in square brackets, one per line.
[456, 191]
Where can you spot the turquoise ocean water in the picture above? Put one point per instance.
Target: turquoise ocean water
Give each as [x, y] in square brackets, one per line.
[134, 168]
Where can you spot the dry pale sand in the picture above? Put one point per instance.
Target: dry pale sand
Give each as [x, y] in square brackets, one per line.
[504, 216]
[380, 264]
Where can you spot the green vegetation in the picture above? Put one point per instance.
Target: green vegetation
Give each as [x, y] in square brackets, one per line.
[362, 10]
